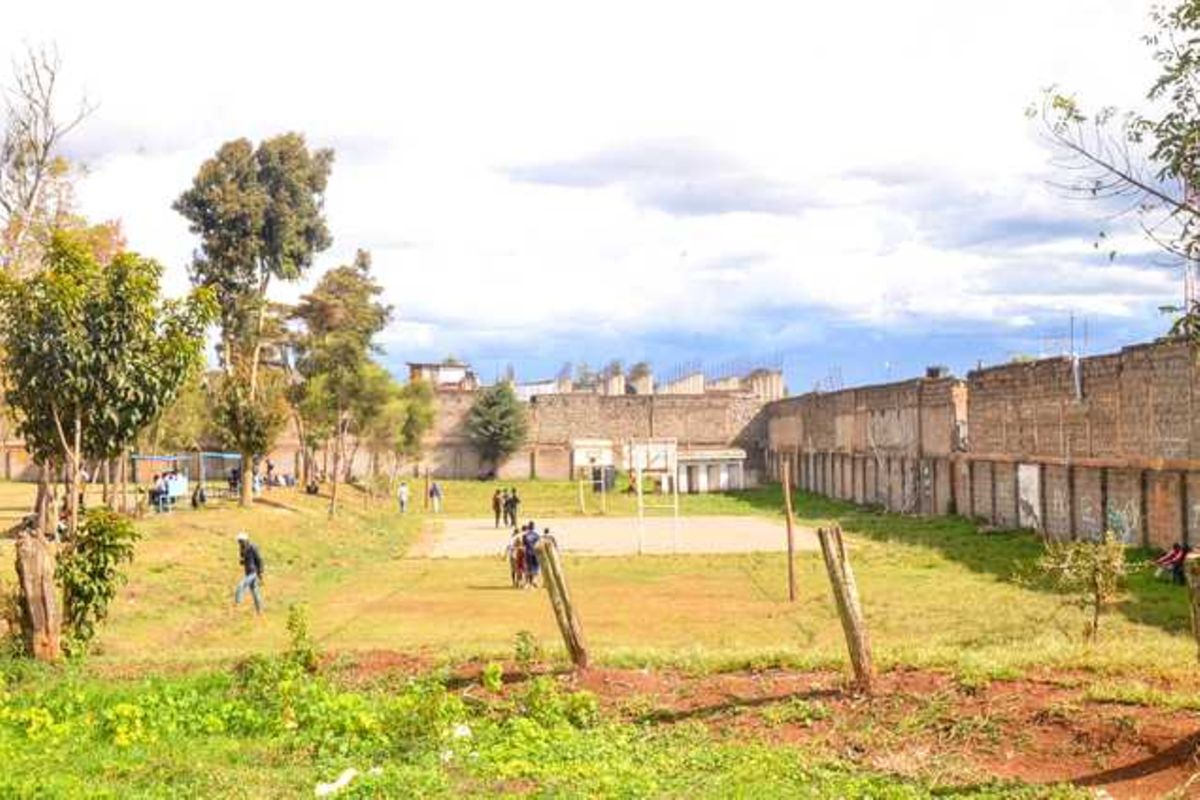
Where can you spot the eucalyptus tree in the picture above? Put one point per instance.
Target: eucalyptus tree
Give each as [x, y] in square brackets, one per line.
[259, 212]
[341, 317]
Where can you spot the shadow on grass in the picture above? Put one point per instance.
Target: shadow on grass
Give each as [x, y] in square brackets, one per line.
[1009, 556]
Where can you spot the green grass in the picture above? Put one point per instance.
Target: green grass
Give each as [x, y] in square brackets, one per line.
[937, 593]
[273, 730]
[561, 499]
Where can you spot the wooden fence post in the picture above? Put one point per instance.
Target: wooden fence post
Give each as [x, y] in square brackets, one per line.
[1191, 568]
[560, 599]
[791, 544]
[845, 595]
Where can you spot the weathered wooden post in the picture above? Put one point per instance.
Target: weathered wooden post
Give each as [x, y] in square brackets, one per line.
[791, 543]
[1191, 568]
[41, 621]
[845, 595]
[560, 599]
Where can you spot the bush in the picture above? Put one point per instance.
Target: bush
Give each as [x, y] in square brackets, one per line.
[89, 573]
[1091, 574]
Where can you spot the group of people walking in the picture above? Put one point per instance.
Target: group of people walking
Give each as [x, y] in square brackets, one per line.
[506, 505]
[522, 552]
[435, 497]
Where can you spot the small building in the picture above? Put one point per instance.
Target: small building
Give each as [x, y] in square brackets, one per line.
[448, 374]
[531, 389]
[711, 470]
[688, 384]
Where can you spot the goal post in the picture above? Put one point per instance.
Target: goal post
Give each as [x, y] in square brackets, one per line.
[656, 459]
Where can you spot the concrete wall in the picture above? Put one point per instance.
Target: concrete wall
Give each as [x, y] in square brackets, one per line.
[885, 444]
[1068, 447]
[713, 420]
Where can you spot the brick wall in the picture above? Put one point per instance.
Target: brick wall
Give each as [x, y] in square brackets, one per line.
[725, 419]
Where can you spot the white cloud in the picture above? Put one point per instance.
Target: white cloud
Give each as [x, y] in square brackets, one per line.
[867, 160]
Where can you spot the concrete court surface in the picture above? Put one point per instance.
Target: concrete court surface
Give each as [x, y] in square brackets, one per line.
[614, 536]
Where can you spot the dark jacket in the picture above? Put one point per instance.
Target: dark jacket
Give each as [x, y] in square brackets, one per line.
[251, 560]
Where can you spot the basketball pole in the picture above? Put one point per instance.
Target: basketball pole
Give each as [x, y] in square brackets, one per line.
[641, 507]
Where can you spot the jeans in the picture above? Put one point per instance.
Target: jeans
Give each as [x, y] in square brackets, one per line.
[249, 582]
[403, 505]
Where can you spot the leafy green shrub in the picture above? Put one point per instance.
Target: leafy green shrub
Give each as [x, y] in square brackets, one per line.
[795, 711]
[89, 573]
[526, 650]
[544, 703]
[302, 650]
[492, 677]
[1090, 573]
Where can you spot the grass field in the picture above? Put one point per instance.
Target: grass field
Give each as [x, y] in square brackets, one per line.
[938, 595]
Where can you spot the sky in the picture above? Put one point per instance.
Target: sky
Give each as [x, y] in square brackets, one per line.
[850, 190]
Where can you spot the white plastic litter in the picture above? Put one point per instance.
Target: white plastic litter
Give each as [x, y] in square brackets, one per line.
[461, 731]
[343, 780]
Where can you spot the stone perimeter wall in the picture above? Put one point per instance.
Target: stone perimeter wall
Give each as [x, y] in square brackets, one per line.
[711, 420]
[1067, 447]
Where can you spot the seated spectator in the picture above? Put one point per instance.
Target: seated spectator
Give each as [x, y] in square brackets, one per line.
[1177, 574]
[1167, 561]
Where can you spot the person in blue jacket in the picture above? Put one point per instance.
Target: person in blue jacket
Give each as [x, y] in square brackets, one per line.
[530, 540]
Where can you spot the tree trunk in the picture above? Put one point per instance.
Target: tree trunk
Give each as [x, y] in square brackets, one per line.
[45, 499]
[338, 444]
[247, 493]
[123, 506]
[105, 482]
[41, 620]
[73, 476]
[303, 476]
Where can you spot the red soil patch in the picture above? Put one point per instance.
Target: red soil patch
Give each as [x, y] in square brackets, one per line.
[918, 723]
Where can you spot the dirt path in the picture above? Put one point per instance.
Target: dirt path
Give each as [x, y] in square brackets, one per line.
[616, 536]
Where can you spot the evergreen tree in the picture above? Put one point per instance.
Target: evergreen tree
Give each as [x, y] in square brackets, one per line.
[496, 423]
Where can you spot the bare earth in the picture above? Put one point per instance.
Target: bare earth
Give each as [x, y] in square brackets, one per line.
[615, 536]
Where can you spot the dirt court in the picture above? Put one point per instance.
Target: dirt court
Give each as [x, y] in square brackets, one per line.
[615, 536]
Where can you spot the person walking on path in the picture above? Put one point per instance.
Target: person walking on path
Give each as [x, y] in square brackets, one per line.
[435, 497]
[402, 497]
[514, 506]
[529, 541]
[252, 566]
[498, 506]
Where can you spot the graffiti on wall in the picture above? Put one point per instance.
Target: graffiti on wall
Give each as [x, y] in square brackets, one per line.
[1029, 496]
[1125, 522]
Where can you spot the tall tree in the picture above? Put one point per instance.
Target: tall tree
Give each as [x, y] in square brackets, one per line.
[92, 355]
[419, 415]
[1149, 163]
[260, 217]
[341, 317]
[35, 179]
[497, 424]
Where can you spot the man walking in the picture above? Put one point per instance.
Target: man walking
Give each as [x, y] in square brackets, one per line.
[252, 566]
[514, 506]
[529, 542]
[435, 497]
[498, 505]
[402, 496]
